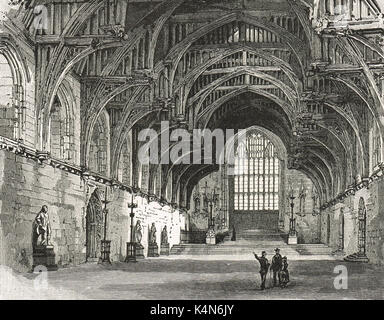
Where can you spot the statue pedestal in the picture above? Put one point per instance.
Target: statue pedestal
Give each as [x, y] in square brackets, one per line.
[292, 239]
[105, 251]
[210, 236]
[44, 256]
[210, 240]
[164, 249]
[153, 250]
[139, 251]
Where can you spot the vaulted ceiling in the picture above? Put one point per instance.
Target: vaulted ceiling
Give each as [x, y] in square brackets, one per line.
[289, 66]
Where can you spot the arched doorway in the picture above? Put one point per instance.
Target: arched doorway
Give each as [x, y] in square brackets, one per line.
[328, 229]
[362, 217]
[94, 226]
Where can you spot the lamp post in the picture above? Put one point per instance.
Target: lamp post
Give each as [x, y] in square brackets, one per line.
[131, 246]
[292, 237]
[105, 244]
[211, 200]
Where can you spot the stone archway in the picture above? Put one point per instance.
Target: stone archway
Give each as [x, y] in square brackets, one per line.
[94, 227]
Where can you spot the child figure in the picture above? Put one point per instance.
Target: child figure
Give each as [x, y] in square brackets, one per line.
[284, 273]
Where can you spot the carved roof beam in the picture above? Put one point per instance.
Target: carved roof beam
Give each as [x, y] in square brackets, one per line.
[201, 119]
[273, 82]
[179, 50]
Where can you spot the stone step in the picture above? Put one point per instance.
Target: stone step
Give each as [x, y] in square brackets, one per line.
[357, 257]
[249, 241]
[302, 249]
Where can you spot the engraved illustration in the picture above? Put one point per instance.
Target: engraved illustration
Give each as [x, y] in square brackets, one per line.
[192, 149]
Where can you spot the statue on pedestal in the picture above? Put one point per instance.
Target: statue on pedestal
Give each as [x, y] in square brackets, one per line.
[152, 234]
[137, 232]
[41, 228]
[164, 236]
[43, 253]
[138, 235]
[302, 196]
[315, 201]
[152, 245]
[164, 248]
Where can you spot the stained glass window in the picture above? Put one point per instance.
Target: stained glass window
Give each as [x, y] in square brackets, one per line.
[256, 180]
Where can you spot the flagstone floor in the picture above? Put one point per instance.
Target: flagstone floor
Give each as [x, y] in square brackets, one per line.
[192, 279]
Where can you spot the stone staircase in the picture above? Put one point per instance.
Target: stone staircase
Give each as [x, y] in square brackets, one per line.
[356, 257]
[261, 235]
[249, 241]
[313, 249]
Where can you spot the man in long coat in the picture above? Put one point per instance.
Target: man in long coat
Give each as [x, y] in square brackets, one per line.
[276, 266]
[264, 266]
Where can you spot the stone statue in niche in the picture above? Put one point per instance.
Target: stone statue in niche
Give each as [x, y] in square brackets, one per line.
[41, 228]
[164, 236]
[43, 253]
[152, 233]
[197, 202]
[152, 245]
[302, 196]
[164, 248]
[138, 233]
[315, 200]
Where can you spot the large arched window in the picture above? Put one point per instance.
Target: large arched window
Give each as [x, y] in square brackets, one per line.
[99, 154]
[62, 129]
[256, 180]
[7, 110]
[125, 161]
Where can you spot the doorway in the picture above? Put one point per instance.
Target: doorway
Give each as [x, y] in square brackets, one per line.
[94, 227]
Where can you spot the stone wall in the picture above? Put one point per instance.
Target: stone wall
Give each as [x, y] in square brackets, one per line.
[26, 186]
[268, 220]
[307, 222]
[198, 217]
[374, 204]
[147, 213]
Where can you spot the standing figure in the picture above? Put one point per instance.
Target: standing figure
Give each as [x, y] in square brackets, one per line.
[164, 235]
[152, 234]
[315, 198]
[41, 227]
[264, 266]
[196, 199]
[137, 232]
[302, 196]
[233, 234]
[284, 273]
[276, 266]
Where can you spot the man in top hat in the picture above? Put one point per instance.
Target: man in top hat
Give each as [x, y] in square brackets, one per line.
[276, 266]
[264, 266]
